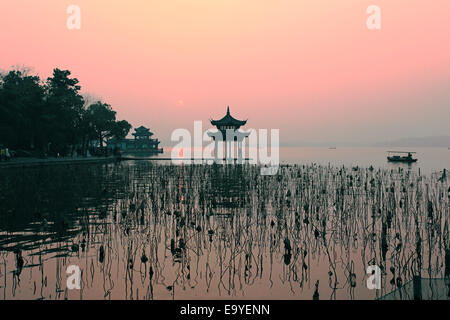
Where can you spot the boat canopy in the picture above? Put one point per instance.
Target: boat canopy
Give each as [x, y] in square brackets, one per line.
[401, 152]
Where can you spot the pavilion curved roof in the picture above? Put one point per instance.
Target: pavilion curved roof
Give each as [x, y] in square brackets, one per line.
[228, 120]
[142, 131]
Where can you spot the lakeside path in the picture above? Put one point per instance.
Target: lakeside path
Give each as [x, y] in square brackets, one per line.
[29, 162]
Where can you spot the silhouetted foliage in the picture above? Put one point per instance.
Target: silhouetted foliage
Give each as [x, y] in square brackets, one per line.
[22, 109]
[52, 116]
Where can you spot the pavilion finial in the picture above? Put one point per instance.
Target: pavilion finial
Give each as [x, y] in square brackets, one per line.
[228, 110]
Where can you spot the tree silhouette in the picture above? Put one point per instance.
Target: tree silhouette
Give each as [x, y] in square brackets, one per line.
[21, 110]
[52, 116]
[65, 111]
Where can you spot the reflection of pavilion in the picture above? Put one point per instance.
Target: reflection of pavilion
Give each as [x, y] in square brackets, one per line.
[228, 133]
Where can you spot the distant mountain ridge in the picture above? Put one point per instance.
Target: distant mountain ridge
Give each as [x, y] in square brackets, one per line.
[435, 141]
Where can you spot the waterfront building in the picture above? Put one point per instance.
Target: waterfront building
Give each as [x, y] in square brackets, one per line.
[229, 133]
[142, 143]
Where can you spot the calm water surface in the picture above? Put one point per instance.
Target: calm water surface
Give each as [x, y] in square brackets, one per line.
[429, 159]
[149, 231]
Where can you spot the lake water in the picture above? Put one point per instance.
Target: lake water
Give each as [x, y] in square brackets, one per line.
[144, 230]
[429, 159]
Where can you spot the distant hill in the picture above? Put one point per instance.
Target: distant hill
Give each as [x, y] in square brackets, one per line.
[437, 141]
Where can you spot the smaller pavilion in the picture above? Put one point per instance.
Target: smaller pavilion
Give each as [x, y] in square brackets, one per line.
[142, 144]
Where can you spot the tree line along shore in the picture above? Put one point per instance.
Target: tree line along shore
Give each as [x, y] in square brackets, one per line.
[51, 118]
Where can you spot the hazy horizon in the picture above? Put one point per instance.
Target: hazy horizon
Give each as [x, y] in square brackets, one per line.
[311, 69]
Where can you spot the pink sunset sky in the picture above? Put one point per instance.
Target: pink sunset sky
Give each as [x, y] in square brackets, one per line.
[310, 68]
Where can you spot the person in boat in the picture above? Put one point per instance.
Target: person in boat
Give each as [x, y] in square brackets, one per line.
[409, 156]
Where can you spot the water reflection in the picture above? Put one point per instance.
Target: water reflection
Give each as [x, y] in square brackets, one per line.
[150, 231]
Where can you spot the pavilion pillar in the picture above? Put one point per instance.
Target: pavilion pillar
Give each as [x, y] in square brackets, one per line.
[239, 151]
[226, 150]
[216, 151]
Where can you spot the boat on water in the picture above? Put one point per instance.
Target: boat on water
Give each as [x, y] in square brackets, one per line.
[398, 156]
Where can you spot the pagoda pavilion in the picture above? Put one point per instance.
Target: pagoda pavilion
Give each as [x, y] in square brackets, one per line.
[142, 144]
[228, 132]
